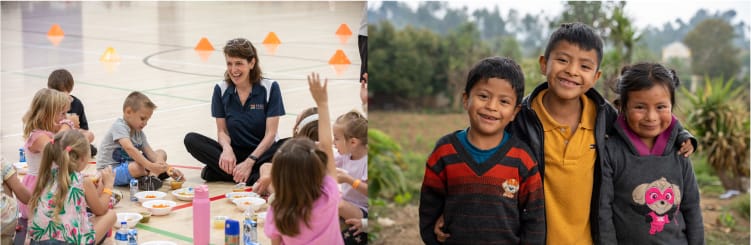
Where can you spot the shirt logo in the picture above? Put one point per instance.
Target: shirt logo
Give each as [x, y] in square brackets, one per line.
[256, 106]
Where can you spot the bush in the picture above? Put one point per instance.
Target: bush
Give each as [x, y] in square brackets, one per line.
[385, 168]
[741, 205]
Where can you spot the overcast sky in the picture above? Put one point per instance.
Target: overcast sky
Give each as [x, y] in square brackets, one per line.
[643, 13]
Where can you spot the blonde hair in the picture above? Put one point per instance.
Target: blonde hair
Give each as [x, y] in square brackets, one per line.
[310, 129]
[68, 150]
[355, 125]
[137, 100]
[46, 105]
[297, 172]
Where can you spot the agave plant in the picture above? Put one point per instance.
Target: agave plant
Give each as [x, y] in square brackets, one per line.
[719, 119]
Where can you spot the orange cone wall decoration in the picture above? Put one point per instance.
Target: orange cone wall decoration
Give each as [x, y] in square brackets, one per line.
[204, 45]
[55, 30]
[110, 55]
[339, 62]
[343, 33]
[271, 38]
[55, 35]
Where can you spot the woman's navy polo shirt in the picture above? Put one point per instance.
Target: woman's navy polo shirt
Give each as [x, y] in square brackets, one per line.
[246, 124]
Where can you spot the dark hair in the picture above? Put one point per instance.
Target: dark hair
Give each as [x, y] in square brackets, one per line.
[242, 48]
[297, 173]
[578, 34]
[60, 80]
[497, 67]
[643, 76]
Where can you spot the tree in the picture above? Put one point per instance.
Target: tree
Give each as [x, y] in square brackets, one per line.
[712, 51]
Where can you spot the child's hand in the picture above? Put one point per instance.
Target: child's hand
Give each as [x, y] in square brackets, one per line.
[364, 89]
[318, 90]
[73, 117]
[439, 235]
[107, 177]
[686, 148]
[342, 176]
[158, 168]
[175, 174]
[356, 225]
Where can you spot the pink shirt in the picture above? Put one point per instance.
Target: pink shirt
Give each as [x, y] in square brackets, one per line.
[324, 220]
[358, 169]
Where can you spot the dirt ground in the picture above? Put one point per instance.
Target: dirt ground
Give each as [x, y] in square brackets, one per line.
[405, 229]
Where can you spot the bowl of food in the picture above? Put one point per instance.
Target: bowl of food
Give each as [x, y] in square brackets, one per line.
[131, 219]
[175, 184]
[159, 207]
[145, 196]
[232, 196]
[184, 194]
[245, 202]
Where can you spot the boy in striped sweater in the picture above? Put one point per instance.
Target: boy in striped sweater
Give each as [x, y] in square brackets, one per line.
[482, 184]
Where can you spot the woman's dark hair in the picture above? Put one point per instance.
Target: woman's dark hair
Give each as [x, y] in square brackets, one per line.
[242, 48]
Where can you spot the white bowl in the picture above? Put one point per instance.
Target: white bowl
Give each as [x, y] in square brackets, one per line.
[131, 218]
[161, 210]
[232, 196]
[145, 196]
[21, 167]
[254, 202]
[184, 194]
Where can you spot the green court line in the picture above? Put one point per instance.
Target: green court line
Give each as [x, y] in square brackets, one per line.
[164, 233]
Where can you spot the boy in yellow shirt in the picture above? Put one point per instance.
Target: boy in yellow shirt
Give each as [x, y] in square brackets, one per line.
[565, 121]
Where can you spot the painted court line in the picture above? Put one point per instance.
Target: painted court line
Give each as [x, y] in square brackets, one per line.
[164, 233]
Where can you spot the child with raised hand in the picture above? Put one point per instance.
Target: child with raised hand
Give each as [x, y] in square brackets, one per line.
[61, 195]
[303, 174]
[482, 183]
[649, 193]
[45, 117]
[306, 125]
[351, 141]
[126, 148]
[61, 80]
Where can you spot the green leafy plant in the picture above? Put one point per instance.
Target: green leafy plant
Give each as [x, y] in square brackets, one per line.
[726, 219]
[385, 168]
[741, 205]
[719, 120]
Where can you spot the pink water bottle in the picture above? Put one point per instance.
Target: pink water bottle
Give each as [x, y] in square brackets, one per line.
[201, 214]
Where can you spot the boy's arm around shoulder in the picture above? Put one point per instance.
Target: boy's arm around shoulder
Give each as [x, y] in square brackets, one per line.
[683, 136]
[432, 194]
[531, 201]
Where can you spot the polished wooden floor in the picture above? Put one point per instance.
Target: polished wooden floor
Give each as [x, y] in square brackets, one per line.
[155, 42]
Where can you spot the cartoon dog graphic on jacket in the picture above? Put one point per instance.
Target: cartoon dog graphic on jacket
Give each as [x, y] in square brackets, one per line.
[660, 197]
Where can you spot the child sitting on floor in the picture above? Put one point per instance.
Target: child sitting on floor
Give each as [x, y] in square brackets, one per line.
[125, 144]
